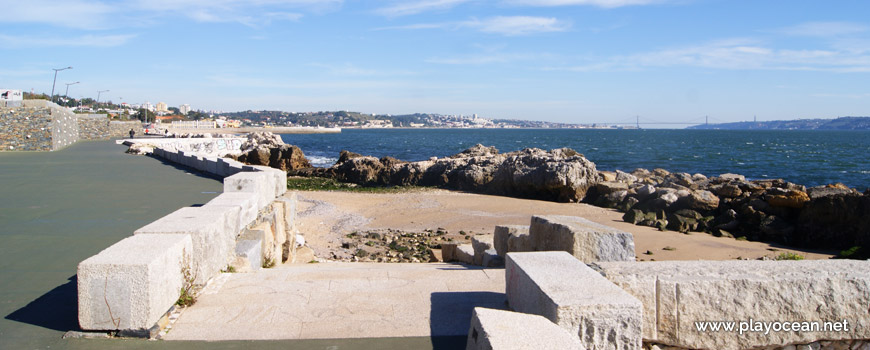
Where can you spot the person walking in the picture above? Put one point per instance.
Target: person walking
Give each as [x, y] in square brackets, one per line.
[132, 133]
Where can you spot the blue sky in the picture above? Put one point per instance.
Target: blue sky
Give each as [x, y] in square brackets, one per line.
[576, 61]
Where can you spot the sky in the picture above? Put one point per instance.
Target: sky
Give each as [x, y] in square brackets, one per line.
[574, 61]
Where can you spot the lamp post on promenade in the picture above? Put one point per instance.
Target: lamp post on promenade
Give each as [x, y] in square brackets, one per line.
[66, 94]
[98, 97]
[55, 80]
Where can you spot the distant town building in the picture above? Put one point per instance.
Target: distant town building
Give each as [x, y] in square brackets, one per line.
[162, 107]
[184, 109]
[194, 124]
[149, 106]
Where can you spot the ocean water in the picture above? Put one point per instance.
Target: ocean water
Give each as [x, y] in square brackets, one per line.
[806, 157]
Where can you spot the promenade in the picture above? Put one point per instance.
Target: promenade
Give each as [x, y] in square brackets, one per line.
[341, 300]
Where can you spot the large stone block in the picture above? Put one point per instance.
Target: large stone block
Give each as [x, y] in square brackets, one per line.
[512, 238]
[586, 240]
[279, 178]
[566, 291]
[464, 253]
[253, 182]
[249, 255]
[290, 201]
[480, 244]
[505, 330]
[212, 230]
[131, 284]
[246, 202]
[679, 296]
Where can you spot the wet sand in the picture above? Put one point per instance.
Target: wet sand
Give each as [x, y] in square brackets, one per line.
[325, 217]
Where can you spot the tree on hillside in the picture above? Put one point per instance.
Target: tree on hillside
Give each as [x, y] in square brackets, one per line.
[150, 114]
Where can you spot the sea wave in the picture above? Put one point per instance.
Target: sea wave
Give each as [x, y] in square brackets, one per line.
[321, 162]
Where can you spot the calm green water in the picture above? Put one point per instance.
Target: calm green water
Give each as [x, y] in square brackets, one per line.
[59, 208]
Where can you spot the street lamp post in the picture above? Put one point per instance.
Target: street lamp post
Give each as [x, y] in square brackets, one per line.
[98, 96]
[66, 94]
[55, 80]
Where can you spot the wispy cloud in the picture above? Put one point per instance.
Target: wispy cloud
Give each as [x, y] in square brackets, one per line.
[504, 25]
[70, 14]
[406, 8]
[734, 54]
[488, 58]
[18, 41]
[518, 25]
[825, 29]
[598, 3]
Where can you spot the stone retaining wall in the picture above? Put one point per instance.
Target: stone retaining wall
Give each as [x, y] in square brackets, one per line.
[133, 283]
[37, 125]
[101, 128]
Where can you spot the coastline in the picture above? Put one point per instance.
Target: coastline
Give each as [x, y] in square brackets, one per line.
[245, 130]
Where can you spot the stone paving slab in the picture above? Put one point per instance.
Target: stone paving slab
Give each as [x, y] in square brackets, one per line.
[341, 300]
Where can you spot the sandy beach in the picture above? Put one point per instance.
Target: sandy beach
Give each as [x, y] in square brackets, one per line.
[325, 217]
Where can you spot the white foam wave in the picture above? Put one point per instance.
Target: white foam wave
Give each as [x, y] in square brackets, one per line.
[321, 162]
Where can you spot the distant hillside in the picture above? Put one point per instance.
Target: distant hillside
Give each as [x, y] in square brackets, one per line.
[843, 123]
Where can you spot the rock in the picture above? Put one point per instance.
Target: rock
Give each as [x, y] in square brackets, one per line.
[681, 223]
[641, 173]
[681, 179]
[728, 190]
[791, 199]
[558, 175]
[624, 177]
[822, 191]
[607, 175]
[345, 155]
[645, 191]
[702, 200]
[835, 221]
[634, 216]
[448, 251]
[261, 139]
[477, 150]
[732, 177]
[287, 157]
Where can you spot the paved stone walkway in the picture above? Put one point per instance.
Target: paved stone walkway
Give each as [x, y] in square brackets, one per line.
[341, 300]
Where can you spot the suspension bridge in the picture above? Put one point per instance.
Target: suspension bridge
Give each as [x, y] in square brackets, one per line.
[639, 121]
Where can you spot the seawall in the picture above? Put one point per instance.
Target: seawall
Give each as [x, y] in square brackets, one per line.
[131, 286]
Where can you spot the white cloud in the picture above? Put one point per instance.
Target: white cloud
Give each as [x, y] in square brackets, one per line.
[599, 3]
[734, 54]
[504, 25]
[71, 14]
[518, 25]
[18, 41]
[414, 7]
[825, 29]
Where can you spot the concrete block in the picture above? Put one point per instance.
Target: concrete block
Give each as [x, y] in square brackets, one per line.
[245, 201]
[172, 156]
[505, 330]
[677, 294]
[290, 201]
[249, 255]
[586, 240]
[491, 259]
[448, 252]
[211, 166]
[567, 292]
[464, 253]
[480, 244]
[212, 230]
[279, 177]
[252, 182]
[131, 284]
[512, 238]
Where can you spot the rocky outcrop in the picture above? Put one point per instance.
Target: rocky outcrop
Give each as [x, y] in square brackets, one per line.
[558, 175]
[832, 216]
[284, 157]
[265, 148]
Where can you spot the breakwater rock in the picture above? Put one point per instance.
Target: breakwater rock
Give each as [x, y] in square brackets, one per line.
[266, 148]
[832, 216]
[561, 175]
